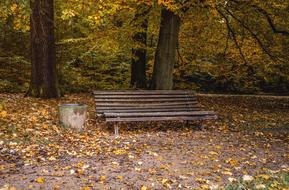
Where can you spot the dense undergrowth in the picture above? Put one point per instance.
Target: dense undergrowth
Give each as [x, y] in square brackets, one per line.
[103, 69]
[94, 43]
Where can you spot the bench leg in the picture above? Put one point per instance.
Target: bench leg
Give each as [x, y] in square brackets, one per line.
[200, 126]
[116, 130]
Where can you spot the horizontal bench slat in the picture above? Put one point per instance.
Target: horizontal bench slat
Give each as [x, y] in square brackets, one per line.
[159, 114]
[141, 92]
[132, 96]
[144, 105]
[146, 110]
[150, 107]
[206, 117]
[147, 100]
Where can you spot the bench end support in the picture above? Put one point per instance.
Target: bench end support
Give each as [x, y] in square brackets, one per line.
[116, 130]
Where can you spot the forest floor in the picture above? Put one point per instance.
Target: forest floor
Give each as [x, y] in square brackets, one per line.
[250, 141]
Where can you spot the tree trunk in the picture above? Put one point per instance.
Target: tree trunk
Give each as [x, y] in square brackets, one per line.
[139, 52]
[166, 51]
[43, 82]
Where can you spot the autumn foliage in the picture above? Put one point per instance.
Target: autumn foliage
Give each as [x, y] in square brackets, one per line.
[224, 46]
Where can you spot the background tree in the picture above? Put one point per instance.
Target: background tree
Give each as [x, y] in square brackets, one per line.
[94, 52]
[139, 50]
[44, 82]
[166, 50]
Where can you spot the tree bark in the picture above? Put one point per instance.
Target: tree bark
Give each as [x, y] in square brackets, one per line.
[139, 53]
[166, 51]
[43, 82]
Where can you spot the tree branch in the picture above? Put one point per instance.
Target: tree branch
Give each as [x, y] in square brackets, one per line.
[230, 29]
[267, 16]
[270, 21]
[261, 45]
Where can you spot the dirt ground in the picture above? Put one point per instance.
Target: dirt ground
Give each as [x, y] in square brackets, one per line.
[251, 137]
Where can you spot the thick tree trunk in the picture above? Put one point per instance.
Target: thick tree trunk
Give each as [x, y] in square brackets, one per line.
[44, 82]
[166, 51]
[139, 52]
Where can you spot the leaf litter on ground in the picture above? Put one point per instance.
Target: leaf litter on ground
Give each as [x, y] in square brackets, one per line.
[250, 140]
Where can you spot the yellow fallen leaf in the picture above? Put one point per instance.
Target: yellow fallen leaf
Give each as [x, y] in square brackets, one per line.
[200, 180]
[80, 171]
[264, 176]
[167, 183]
[218, 147]
[119, 151]
[232, 162]
[86, 188]
[14, 7]
[40, 180]
[102, 178]
[12, 188]
[119, 177]
[274, 184]
[45, 126]
[213, 153]
[56, 187]
[205, 187]
[163, 167]
[79, 164]
[143, 188]
[3, 114]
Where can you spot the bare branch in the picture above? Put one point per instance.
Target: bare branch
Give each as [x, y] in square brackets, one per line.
[270, 21]
[230, 29]
[261, 45]
[267, 16]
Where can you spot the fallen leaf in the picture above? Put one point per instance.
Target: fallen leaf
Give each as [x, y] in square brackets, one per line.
[247, 178]
[40, 180]
[213, 153]
[227, 173]
[86, 188]
[119, 177]
[260, 186]
[264, 176]
[101, 178]
[119, 151]
[231, 179]
[143, 188]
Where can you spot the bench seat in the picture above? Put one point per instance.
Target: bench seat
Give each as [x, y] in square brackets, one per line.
[149, 105]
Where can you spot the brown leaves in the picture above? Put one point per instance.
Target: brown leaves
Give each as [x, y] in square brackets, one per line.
[166, 156]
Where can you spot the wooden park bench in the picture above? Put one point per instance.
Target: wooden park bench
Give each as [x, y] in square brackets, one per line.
[149, 105]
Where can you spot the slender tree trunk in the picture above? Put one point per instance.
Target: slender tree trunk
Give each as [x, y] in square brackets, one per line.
[166, 51]
[44, 82]
[139, 53]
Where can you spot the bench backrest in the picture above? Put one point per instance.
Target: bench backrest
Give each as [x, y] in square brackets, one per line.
[145, 101]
